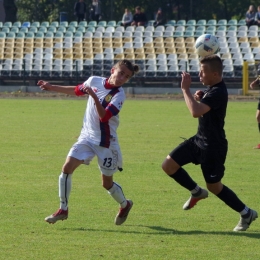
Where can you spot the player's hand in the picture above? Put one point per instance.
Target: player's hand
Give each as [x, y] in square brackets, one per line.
[88, 90]
[198, 95]
[186, 81]
[254, 84]
[44, 85]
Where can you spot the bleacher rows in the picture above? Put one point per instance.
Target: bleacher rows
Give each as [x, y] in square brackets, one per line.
[82, 49]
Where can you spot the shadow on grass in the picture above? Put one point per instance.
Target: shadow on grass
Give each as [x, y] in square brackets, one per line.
[166, 231]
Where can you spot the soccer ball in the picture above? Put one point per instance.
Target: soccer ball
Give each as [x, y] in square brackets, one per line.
[207, 44]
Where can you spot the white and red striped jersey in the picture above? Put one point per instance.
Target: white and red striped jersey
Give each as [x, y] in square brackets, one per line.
[93, 130]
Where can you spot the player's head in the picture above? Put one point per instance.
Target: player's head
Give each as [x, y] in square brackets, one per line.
[211, 68]
[122, 71]
[138, 9]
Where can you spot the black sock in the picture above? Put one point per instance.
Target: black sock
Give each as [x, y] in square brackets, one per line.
[231, 199]
[259, 127]
[183, 178]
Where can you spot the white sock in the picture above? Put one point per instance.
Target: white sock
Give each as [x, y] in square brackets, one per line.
[196, 190]
[64, 189]
[244, 211]
[117, 193]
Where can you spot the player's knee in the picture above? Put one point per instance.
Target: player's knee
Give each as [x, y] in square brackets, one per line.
[166, 167]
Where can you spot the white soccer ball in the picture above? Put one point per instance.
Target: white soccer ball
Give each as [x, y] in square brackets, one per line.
[207, 44]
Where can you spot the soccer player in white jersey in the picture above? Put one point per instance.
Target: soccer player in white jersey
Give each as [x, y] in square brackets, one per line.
[98, 136]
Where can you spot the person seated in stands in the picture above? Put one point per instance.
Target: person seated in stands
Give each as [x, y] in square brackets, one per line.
[257, 16]
[159, 19]
[127, 18]
[250, 16]
[139, 18]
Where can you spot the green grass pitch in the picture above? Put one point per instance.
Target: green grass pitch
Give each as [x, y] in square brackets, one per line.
[35, 136]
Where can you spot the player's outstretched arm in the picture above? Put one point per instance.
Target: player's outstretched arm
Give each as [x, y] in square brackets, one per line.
[44, 85]
[254, 84]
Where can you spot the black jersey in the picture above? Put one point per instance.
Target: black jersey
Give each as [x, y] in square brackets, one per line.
[211, 133]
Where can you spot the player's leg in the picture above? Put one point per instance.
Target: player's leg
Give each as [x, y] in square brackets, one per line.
[247, 215]
[213, 171]
[78, 154]
[109, 161]
[64, 189]
[258, 120]
[185, 153]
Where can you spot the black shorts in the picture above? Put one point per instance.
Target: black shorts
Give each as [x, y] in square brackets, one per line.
[211, 161]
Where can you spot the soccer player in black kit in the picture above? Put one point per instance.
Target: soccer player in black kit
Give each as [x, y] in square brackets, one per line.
[209, 146]
[253, 85]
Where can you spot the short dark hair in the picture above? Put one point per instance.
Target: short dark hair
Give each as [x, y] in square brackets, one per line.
[214, 62]
[132, 67]
[138, 8]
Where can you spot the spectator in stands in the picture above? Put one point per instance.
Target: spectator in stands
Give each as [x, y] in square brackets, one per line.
[250, 16]
[139, 18]
[257, 16]
[159, 19]
[127, 18]
[96, 6]
[98, 135]
[80, 10]
[254, 85]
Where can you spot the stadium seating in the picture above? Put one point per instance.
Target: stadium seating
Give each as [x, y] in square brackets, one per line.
[65, 50]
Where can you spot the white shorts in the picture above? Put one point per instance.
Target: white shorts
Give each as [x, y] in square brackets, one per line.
[109, 159]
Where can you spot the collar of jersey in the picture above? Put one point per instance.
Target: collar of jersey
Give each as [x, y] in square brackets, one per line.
[109, 86]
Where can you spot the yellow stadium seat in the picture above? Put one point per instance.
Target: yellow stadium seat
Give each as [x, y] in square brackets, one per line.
[159, 50]
[57, 55]
[148, 45]
[8, 55]
[97, 45]
[179, 44]
[158, 39]
[119, 56]
[170, 50]
[158, 44]
[193, 56]
[67, 55]
[183, 56]
[191, 50]
[127, 39]
[180, 50]
[97, 40]
[226, 56]
[98, 50]
[77, 56]
[107, 44]
[87, 45]
[130, 56]
[139, 56]
[242, 39]
[18, 55]
[129, 50]
[38, 44]
[117, 44]
[179, 39]
[28, 49]
[254, 44]
[87, 55]
[149, 50]
[139, 50]
[150, 56]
